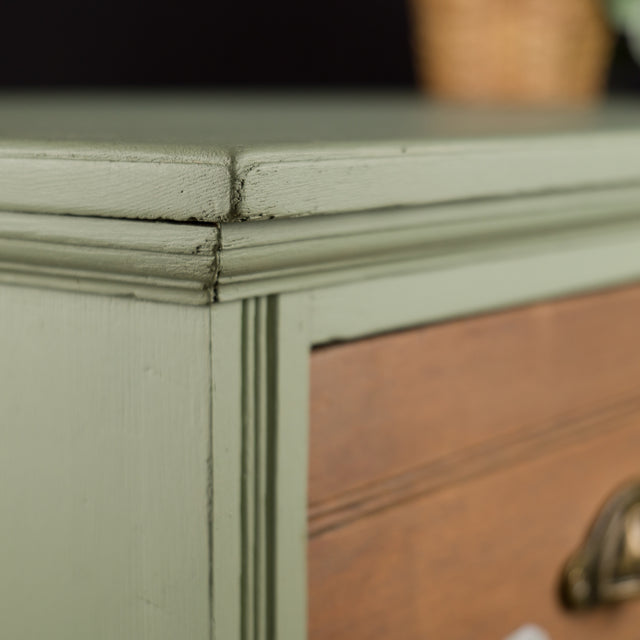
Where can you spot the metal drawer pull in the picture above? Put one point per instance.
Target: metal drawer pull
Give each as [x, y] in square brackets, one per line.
[606, 569]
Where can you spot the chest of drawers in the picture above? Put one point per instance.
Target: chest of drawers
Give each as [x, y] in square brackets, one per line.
[276, 369]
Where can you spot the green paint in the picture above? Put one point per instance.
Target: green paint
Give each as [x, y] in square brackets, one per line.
[421, 236]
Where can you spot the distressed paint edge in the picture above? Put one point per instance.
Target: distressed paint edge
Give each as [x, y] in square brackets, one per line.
[117, 188]
[155, 261]
[219, 184]
[295, 181]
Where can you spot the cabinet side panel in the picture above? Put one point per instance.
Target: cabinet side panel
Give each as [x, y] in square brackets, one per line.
[104, 458]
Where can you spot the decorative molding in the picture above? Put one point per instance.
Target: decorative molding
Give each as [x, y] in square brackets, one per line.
[158, 261]
[200, 264]
[260, 258]
[260, 358]
[258, 470]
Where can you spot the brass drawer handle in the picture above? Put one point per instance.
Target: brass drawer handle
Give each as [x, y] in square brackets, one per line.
[606, 569]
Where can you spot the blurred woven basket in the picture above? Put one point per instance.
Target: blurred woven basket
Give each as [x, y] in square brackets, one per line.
[512, 51]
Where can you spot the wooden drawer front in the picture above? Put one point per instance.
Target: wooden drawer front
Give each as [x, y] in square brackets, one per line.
[454, 468]
[394, 406]
[477, 559]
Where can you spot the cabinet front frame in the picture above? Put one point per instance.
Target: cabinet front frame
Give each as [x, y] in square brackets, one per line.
[261, 348]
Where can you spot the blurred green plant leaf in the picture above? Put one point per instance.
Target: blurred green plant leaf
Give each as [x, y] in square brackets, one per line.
[625, 16]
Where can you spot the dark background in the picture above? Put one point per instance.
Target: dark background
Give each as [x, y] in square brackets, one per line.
[221, 43]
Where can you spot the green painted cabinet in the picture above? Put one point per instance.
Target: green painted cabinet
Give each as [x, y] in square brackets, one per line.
[168, 262]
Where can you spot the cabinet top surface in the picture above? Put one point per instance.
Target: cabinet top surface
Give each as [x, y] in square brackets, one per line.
[224, 157]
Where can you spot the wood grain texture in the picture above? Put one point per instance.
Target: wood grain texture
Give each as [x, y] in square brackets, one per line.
[478, 559]
[105, 467]
[393, 404]
[462, 466]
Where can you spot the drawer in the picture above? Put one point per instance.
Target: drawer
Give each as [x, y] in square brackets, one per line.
[476, 559]
[455, 468]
